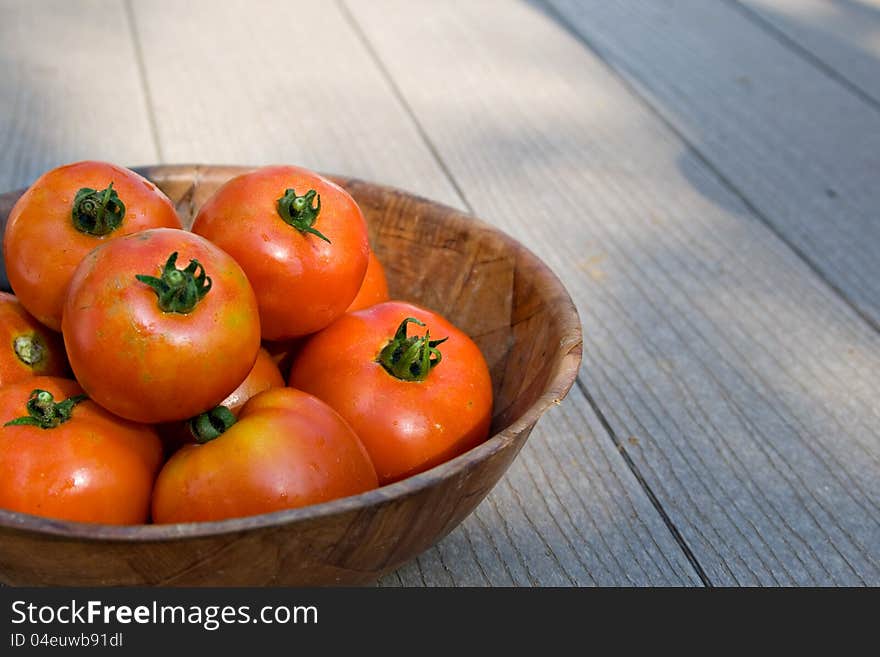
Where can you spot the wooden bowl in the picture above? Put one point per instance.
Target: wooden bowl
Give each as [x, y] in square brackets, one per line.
[485, 282]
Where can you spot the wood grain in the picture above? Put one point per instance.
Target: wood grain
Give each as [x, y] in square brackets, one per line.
[356, 539]
[320, 100]
[70, 88]
[841, 38]
[741, 387]
[797, 144]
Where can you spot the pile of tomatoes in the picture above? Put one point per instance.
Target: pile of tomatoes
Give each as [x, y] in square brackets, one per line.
[252, 364]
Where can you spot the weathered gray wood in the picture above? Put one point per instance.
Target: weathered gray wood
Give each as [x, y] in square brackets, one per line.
[566, 514]
[743, 389]
[246, 90]
[840, 36]
[71, 89]
[798, 144]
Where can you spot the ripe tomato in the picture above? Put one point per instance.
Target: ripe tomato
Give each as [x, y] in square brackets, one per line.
[70, 459]
[263, 375]
[374, 289]
[152, 342]
[411, 409]
[66, 213]
[287, 449]
[29, 348]
[301, 240]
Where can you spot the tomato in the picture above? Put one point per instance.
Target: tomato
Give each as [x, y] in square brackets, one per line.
[66, 213]
[287, 449]
[153, 342]
[70, 459]
[411, 409]
[29, 348]
[263, 375]
[301, 240]
[374, 288]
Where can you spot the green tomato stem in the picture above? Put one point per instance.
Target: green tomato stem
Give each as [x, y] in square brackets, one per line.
[179, 290]
[97, 212]
[44, 412]
[410, 358]
[298, 211]
[211, 424]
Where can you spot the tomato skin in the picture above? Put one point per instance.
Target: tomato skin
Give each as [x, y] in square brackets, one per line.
[145, 364]
[302, 283]
[93, 468]
[374, 288]
[406, 426]
[263, 375]
[41, 246]
[17, 323]
[288, 449]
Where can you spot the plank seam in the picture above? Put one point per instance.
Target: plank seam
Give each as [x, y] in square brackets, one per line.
[755, 17]
[655, 502]
[398, 94]
[762, 218]
[145, 85]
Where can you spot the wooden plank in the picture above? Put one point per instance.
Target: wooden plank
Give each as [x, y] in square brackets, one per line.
[292, 82]
[842, 38]
[549, 521]
[741, 387]
[71, 89]
[797, 144]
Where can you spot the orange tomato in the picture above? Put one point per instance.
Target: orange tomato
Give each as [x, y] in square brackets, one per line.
[70, 459]
[301, 240]
[287, 449]
[152, 342]
[414, 401]
[374, 289]
[66, 213]
[30, 349]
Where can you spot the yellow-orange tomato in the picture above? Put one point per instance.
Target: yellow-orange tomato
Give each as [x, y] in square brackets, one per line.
[153, 342]
[300, 238]
[287, 449]
[27, 348]
[66, 213]
[374, 289]
[70, 459]
[414, 401]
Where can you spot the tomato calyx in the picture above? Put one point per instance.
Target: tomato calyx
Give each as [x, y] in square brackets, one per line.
[179, 290]
[211, 424]
[97, 212]
[410, 358]
[45, 412]
[29, 349]
[298, 211]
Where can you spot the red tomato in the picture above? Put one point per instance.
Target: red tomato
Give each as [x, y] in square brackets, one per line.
[66, 213]
[263, 375]
[301, 240]
[71, 459]
[287, 449]
[30, 349]
[152, 342]
[411, 409]
[374, 289]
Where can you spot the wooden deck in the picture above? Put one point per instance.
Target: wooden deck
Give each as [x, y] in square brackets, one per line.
[704, 176]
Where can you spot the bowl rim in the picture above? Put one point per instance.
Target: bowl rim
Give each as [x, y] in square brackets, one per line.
[561, 380]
